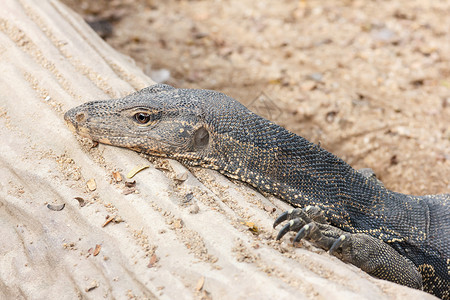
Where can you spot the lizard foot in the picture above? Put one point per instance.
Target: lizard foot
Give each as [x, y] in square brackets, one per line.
[368, 253]
[310, 224]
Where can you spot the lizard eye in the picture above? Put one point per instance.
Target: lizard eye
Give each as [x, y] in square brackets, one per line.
[142, 118]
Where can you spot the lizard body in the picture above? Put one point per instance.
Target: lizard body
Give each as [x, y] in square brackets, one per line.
[209, 129]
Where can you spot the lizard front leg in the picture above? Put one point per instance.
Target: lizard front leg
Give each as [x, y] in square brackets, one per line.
[370, 254]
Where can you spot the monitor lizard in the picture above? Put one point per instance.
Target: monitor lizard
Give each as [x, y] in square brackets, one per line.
[392, 236]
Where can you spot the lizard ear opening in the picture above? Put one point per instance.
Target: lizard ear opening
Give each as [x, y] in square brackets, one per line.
[201, 139]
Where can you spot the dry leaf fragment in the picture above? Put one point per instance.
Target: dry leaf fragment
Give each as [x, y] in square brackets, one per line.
[200, 284]
[81, 201]
[177, 224]
[97, 249]
[94, 144]
[136, 170]
[93, 285]
[130, 183]
[128, 191]
[188, 197]
[117, 177]
[118, 219]
[275, 81]
[91, 185]
[308, 85]
[153, 261]
[269, 208]
[108, 221]
[251, 226]
[56, 207]
[181, 176]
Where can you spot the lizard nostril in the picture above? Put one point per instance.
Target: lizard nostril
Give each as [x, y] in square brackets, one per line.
[80, 117]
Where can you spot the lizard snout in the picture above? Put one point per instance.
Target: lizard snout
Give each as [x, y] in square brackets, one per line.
[75, 116]
[76, 119]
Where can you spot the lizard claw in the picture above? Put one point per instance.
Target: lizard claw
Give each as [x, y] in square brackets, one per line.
[291, 214]
[284, 230]
[310, 224]
[305, 231]
[338, 243]
[281, 218]
[292, 225]
[298, 220]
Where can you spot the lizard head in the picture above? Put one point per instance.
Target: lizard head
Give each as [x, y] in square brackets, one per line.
[158, 120]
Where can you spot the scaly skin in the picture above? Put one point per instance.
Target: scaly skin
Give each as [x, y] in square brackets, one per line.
[208, 129]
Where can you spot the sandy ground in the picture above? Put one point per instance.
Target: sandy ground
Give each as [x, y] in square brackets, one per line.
[184, 234]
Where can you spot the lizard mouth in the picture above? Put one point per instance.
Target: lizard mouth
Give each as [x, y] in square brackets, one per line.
[71, 126]
[83, 131]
